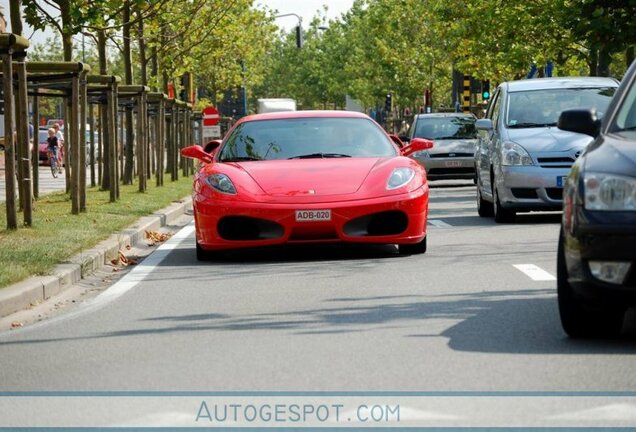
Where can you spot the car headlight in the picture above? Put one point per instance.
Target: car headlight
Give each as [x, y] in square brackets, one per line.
[609, 192]
[514, 154]
[221, 183]
[400, 177]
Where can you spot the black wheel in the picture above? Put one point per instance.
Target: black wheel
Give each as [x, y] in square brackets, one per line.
[502, 215]
[577, 319]
[202, 254]
[413, 249]
[484, 208]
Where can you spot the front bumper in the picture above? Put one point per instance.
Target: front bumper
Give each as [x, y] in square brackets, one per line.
[398, 219]
[440, 168]
[528, 188]
[604, 243]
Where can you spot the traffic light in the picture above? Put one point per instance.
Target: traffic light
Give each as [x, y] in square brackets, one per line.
[299, 36]
[485, 90]
[388, 103]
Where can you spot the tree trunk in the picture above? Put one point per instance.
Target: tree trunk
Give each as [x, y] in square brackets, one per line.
[629, 56]
[16, 17]
[143, 61]
[129, 145]
[604, 61]
[105, 139]
[593, 62]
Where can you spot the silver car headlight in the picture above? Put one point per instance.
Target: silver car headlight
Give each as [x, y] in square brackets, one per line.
[514, 154]
[610, 192]
[400, 177]
[221, 183]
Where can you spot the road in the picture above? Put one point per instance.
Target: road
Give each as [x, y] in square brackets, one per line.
[477, 312]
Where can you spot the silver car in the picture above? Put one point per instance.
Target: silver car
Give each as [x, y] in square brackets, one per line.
[522, 158]
[454, 138]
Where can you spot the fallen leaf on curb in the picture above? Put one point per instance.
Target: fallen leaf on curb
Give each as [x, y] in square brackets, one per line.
[123, 260]
[16, 324]
[156, 237]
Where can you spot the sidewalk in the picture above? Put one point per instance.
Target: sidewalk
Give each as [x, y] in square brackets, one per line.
[36, 289]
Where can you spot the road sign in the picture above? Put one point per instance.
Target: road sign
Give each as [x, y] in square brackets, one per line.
[211, 132]
[210, 116]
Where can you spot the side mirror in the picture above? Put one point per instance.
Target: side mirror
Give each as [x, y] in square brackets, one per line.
[580, 120]
[211, 146]
[196, 152]
[483, 124]
[416, 145]
[397, 141]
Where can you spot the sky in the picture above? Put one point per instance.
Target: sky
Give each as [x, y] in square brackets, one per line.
[306, 9]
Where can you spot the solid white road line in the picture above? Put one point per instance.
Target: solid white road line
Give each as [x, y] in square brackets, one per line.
[125, 284]
[534, 272]
[439, 223]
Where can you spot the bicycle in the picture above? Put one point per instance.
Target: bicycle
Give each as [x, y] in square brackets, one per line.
[53, 162]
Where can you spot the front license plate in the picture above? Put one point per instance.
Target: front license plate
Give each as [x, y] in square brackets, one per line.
[313, 215]
[453, 164]
[561, 181]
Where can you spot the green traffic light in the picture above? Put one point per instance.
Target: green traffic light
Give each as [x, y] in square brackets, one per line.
[485, 95]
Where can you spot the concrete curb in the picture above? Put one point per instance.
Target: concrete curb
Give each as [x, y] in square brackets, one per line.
[36, 289]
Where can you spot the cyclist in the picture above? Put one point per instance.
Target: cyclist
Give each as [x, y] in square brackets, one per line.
[54, 151]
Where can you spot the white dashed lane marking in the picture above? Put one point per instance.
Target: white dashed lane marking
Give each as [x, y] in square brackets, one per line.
[534, 272]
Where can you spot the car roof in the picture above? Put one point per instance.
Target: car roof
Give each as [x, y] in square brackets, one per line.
[560, 82]
[304, 114]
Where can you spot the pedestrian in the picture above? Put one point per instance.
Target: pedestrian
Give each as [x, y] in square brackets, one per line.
[60, 140]
[3, 23]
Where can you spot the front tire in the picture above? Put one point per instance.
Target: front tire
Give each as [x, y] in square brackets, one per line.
[502, 214]
[413, 249]
[202, 254]
[484, 208]
[577, 319]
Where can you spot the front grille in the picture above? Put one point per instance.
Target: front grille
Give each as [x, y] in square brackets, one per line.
[378, 224]
[525, 193]
[451, 155]
[442, 171]
[554, 193]
[238, 228]
[555, 162]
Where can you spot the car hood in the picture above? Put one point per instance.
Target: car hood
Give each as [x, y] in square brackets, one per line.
[310, 177]
[548, 139]
[453, 146]
[615, 154]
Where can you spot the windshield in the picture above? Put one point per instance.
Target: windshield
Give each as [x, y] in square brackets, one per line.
[452, 127]
[537, 108]
[625, 119]
[319, 137]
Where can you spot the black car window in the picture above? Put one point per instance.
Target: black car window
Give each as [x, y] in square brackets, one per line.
[537, 108]
[448, 127]
[304, 137]
[625, 118]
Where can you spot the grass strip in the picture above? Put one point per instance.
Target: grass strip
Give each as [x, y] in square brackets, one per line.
[57, 235]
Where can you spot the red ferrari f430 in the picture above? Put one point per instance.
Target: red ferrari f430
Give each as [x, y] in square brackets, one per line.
[308, 177]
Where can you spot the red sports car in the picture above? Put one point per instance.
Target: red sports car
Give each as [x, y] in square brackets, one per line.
[308, 177]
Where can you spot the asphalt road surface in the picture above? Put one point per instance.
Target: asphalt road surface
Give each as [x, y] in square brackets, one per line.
[477, 312]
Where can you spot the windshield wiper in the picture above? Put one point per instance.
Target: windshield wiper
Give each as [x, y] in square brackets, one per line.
[240, 159]
[320, 156]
